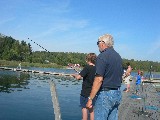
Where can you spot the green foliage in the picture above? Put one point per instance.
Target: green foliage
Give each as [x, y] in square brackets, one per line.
[142, 65]
[60, 58]
[14, 50]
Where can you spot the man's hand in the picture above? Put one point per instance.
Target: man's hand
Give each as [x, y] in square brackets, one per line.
[95, 88]
[89, 104]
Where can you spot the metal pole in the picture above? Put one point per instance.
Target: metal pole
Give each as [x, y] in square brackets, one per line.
[150, 74]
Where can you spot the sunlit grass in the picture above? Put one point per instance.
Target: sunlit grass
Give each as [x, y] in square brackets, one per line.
[27, 64]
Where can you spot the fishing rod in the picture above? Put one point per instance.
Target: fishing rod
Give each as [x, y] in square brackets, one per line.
[39, 45]
[48, 51]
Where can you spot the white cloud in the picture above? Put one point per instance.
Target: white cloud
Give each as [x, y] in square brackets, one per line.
[5, 21]
[62, 26]
[155, 47]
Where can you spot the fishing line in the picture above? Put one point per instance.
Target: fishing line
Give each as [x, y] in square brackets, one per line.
[39, 45]
[49, 52]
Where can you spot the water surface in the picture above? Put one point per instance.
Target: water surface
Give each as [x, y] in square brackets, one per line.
[26, 96]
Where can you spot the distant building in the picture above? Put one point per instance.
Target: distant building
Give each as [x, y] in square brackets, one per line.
[47, 61]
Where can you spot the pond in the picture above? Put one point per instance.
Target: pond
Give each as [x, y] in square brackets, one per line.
[27, 96]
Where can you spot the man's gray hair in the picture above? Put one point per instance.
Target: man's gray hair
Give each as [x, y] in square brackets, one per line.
[108, 39]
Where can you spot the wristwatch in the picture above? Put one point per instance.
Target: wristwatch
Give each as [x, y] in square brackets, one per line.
[90, 98]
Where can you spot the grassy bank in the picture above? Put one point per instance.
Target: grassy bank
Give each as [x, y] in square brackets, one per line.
[27, 64]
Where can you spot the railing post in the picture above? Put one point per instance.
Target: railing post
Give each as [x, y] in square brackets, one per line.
[55, 101]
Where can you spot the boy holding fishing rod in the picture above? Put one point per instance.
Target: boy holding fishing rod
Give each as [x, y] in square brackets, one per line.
[88, 74]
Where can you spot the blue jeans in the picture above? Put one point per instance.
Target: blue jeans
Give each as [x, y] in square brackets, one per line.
[137, 87]
[106, 106]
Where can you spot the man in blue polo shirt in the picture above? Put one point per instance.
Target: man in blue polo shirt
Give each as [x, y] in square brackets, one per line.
[107, 81]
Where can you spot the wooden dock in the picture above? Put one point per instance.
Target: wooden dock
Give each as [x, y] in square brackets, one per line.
[153, 80]
[145, 105]
[35, 71]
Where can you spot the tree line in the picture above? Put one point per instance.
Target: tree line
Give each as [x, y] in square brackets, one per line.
[15, 50]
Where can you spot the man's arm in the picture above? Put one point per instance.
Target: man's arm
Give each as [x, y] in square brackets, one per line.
[95, 88]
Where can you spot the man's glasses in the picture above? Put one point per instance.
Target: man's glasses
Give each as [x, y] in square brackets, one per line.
[99, 42]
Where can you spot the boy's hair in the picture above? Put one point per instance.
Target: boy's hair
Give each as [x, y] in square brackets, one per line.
[91, 57]
[127, 63]
[141, 73]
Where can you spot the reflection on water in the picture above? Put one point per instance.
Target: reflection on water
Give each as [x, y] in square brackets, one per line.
[30, 97]
[9, 82]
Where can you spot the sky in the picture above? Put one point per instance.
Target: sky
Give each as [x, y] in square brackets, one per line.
[75, 25]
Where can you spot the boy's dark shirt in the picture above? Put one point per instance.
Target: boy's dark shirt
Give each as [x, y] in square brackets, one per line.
[88, 74]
